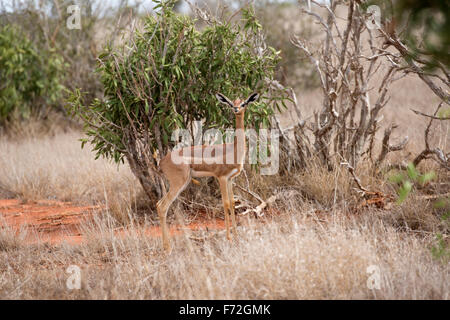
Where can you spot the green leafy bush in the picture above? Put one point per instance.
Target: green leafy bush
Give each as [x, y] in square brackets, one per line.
[30, 79]
[44, 23]
[165, 78]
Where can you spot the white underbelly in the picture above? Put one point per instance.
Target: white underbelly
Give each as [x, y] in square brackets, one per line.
[232, 173]
[199, 174]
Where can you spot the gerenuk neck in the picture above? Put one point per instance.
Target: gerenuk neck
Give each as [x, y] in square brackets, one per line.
[239, 139]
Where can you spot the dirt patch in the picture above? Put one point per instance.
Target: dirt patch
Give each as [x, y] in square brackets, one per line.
[54, 221]
[46, 220]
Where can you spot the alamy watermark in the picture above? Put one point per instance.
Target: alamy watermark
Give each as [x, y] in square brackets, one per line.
[374, 280]
[74, 20]
[208, 147]
[373, 20]
[73, 282]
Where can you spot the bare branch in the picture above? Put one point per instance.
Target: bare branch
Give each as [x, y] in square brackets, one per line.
[428, 153]
[386, 148]
[357, 180]
[429, 116]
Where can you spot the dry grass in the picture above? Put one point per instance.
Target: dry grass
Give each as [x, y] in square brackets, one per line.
[55, 167]
[10, 239]
[297, 255]
[289, 258]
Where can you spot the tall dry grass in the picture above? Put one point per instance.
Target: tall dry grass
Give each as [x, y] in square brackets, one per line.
[315, 248]
[55, 167]
[291, 257]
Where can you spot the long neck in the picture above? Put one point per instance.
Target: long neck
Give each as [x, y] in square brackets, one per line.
[239, 139]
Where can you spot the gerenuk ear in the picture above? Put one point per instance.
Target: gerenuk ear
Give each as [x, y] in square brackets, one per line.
[252, 98]
[224, 99]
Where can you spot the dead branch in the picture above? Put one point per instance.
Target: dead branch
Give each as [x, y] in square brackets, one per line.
[370, 198]
[254, 195]
[387, 147]
[433, 196]
[429, 116]
[429, 153]
[349, 120]
[263, 203]
[413, 61]
[258, 210]
[355, 178]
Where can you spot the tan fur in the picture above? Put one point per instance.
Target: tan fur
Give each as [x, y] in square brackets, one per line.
[179, 175]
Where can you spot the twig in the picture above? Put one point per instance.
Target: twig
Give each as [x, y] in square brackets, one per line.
[387, 147]
[430, 116]
[441, 158]
[257, 197]
[358, 182]
[434, 196]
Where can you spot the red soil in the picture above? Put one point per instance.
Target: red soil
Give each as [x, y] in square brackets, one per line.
[54, 221]
[45, 220]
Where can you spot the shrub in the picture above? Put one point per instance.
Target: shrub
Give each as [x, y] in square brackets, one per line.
[30, 78]
[165, 78]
